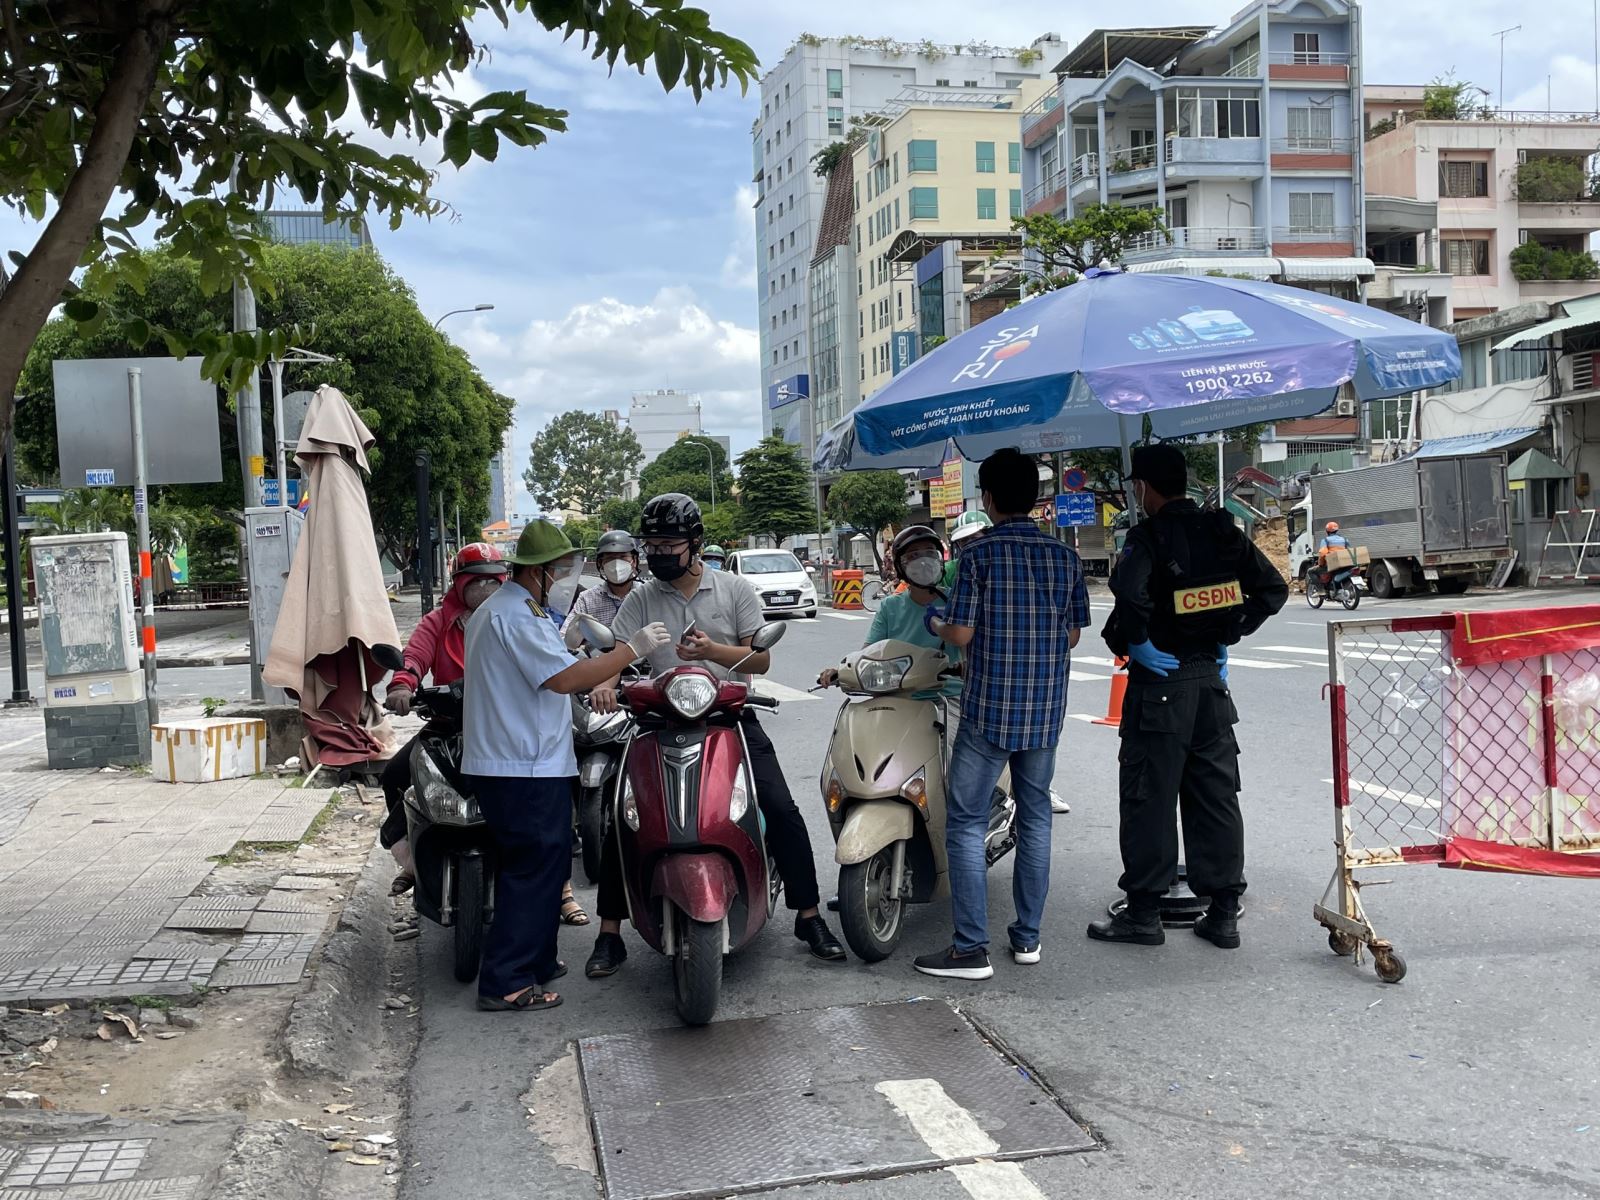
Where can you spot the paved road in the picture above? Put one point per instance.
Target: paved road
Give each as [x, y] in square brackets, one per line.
[1277, 1070]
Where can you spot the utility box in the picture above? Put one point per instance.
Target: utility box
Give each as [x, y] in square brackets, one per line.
[210, 749]
[271, 537]
[94, 696]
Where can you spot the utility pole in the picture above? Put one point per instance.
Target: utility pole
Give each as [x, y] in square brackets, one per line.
[14, 597]
[424, 463]
[248, 419]
[141, 514]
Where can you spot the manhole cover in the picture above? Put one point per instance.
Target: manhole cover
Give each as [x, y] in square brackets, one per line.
[835, 1094]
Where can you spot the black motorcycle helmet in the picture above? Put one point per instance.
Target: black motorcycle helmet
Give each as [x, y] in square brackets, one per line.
[672, 515]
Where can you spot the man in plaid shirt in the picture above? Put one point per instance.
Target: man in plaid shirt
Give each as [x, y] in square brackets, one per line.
[1018, 607]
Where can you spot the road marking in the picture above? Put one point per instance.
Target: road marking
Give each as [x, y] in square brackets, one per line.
[950, 1131]
[780, 691]
[846, 616]
[32, 737]
[1377, 791]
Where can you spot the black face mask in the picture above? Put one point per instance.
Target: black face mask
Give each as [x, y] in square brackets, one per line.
[667, 567]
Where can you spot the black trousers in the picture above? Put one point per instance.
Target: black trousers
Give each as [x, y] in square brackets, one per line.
[1179, 753]
[396, 778]
[787, 838]
[531, 820]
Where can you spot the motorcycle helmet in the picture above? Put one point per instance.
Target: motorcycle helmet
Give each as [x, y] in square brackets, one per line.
[913, 535]
[672, 515]
[616, 541]
[478, 558]
[969, 525]
[1332, 527]
[714, 556]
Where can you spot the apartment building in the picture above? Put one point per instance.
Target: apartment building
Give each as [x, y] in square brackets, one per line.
[807, 102]
[1512, 198]
[1245, 138]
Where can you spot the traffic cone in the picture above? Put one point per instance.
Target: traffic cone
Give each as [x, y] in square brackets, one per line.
[1119, 688]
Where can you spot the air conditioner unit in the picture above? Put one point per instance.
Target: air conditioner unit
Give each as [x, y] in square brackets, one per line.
[1344, 408]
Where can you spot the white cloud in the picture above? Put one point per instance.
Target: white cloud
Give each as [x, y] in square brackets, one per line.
[739, 268]
[595, 355]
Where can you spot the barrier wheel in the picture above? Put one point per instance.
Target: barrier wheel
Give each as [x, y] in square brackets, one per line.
[1342, 944]
[1391, 968]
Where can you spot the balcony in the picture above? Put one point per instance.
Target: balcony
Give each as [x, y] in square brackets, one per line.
[1249, 68]
[1041, 119]
[1048, 197]
[1308, 66]
[1190, 240]
[1570, 216]
[1321, 241]
[1312, 152]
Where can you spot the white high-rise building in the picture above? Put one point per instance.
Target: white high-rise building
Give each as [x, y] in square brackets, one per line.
[503, 476]
[807, 102]
[658, 419]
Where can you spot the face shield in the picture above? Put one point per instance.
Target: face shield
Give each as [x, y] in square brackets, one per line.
[561, 582]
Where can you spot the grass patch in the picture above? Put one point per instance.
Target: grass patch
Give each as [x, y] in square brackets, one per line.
[139, 769]
[322, 819]
[164, 1003]
[245, 852]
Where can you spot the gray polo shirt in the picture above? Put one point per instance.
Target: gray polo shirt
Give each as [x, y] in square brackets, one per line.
[724, 608]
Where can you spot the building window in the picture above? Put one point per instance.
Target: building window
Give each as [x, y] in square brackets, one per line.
[1016, 202]
[835, 120]
[1231, 115]
[774, 321]
[861, 324]
[986, 210]
[1307, 48]
[859, 288]
[897, 212]
[1463, 179]
[1529, 360]
[1311, 129]
[922, 154]
[835, 83]
[786, 354]
[874, 321]
[774, 358]
[985, 158]
[924, 203]
[1014, 157]
[969, 83]
[1466, 256]
[895, 159]
[1474, 366]
[941, 83]
[1310, 212]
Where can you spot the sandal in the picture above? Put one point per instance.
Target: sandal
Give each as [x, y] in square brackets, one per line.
[526, 1001]
[572, 912]
[403, 883]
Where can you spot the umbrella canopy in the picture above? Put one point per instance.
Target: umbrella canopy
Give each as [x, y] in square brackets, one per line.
[335, 608]
[1081, 366]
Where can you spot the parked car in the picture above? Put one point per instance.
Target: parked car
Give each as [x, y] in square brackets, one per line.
[781, 583]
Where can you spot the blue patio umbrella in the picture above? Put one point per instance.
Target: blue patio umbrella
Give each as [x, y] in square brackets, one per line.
[1081, 367]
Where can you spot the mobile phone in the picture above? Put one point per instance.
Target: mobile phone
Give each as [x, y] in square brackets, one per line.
[690, 628]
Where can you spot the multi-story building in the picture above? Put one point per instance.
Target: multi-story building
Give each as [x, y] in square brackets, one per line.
[807, 102]
[658, 419]
[302, 227]
[1245, 138]
[831, 323]
[1512, 198]
[503, 476]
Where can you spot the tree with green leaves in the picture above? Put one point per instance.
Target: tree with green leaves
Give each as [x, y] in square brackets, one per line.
[683, 467]
[617, 513]
[723, 526]
[579, 461]
[775, 491]
[413, 388]
[196, 114]
[1057, 252]
[868, 501]
[583, 532]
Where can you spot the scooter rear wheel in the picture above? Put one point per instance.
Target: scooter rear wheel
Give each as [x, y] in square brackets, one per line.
[869, 916]
[697, 970]
[469, 917]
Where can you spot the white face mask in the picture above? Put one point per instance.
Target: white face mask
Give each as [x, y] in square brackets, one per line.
[924, 570]
[618, 570]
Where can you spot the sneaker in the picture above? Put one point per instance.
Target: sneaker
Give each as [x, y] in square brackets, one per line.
[1057, 803]
[947, 964]
[1026, 958]
[814, 932]
[1128, 931]
[610, 952]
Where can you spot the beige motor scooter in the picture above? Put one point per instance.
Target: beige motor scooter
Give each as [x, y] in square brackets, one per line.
[883, 783]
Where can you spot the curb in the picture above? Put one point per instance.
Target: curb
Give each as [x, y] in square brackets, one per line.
[271, 1160]
[215, 660]
[335, 1023]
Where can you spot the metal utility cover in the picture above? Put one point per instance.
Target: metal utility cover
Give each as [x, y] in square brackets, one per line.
[654, 1096]
[94, 425]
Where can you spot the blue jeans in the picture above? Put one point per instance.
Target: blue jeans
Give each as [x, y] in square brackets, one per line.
[975, 766]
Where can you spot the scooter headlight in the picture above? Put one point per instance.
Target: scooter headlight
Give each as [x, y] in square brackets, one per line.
[882, 674]
[440, 799]
[629, 806]
[691, 696]
[739, 801]
[833, 790]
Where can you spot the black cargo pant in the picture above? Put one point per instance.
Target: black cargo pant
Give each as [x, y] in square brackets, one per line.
[787, 839]
[1179, 754]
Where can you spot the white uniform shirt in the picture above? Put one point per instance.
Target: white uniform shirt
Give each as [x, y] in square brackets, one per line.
[513, 726]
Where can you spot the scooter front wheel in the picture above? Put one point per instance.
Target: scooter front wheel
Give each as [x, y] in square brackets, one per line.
[697, 970]
[868, 914]
[590, 831]
[469, 917]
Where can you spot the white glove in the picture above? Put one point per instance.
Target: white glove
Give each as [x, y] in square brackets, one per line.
[651, 637]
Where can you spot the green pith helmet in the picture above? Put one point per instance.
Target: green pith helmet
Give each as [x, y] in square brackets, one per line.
[714, 551]
[541, 542]
[969, 524]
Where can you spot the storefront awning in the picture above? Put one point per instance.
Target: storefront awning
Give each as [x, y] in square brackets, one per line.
[1256, 268]
[1305, 270]
[1474, 443]
[1583, 310]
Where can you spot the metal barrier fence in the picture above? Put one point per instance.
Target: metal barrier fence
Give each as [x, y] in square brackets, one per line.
[1469, 741]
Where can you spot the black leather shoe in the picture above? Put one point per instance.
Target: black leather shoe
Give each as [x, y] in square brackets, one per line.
[814, 932]
[610, 952]
[1128, 931]
[1221, 929]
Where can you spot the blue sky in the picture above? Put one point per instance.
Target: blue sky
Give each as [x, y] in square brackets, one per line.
[620, 255]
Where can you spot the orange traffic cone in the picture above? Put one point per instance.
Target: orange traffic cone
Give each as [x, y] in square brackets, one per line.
[1119, 689]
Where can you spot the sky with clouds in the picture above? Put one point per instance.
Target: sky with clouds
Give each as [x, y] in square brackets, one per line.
[620, 256]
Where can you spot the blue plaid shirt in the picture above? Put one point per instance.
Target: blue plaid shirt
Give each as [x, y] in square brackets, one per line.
[1022, 592]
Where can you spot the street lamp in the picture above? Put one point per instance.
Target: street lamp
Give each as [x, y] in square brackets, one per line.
[711, 466]
[454, 311]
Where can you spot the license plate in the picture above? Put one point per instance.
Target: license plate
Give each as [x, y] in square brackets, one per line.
[784, 597]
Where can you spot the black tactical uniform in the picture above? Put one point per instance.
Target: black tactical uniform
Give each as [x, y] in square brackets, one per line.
[1190, 583]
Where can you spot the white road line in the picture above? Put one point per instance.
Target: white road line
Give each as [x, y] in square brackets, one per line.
[950, 1131]
[32, 737]
[781, 691]
[845, 616]
[1378, 792]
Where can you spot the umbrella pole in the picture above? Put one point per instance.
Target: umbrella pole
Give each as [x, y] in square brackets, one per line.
[1126, 440]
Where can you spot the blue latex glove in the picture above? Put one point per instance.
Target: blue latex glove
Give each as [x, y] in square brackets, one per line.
[931, 614]
[1222, 661]
[1151, 659]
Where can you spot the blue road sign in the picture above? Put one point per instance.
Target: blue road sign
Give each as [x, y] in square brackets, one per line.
[100, 478]
[1075, 480]
[269, 493]
[1075, 508]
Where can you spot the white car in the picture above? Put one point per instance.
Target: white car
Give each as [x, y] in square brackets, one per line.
[780, 581]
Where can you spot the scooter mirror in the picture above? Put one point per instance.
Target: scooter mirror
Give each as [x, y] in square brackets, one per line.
[388, 657]
[768, 636]
[599, 635]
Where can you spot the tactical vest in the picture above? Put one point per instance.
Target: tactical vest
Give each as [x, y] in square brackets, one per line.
[1195, 586]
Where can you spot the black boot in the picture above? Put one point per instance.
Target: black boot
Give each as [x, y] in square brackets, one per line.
[814, 932]
[1220, 924]
[610, 952]
[1131, 927]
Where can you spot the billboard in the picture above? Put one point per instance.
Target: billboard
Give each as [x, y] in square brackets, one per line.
[94, 428]
[787, 391]
[905, 349]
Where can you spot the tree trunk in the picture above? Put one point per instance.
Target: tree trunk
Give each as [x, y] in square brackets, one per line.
[36, 288]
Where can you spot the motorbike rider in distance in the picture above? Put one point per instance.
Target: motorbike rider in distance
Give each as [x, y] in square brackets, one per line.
[1332, 540]
[968, 526]
[718, 614]
[714, 557]
[617, 556]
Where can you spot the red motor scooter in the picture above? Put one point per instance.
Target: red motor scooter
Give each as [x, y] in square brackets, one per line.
[694, 855]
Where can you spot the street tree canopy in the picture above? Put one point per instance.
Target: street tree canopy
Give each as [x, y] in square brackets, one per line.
[775, 491]
[1057, 252]
[196, 114]
[683, 458]
[580, 460]
[868, 501]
